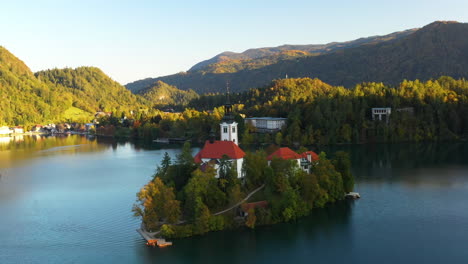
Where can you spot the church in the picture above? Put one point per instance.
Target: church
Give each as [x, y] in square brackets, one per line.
[213, 150]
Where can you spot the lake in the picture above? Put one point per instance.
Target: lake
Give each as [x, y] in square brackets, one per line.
[69, 199]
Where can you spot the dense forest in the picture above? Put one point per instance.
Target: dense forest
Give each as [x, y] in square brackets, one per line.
[430, 52]
[319, 113]
[182, 200]
[163, 94]
[92, 90]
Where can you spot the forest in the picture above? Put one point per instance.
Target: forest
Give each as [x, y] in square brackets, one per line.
[320, 114]
[182, 199]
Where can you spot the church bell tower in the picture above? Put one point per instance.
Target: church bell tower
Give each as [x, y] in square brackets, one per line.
[228, 125]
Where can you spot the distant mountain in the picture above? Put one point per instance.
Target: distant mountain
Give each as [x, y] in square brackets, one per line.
[161, 93]
[440, 48]
[314, 49]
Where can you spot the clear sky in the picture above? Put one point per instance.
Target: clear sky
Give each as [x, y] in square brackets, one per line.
[131, 40]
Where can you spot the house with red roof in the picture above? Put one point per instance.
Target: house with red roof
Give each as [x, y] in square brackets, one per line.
[246, 207]
[304, 160]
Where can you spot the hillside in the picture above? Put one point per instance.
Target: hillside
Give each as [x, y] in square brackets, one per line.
[92, 89]
[59, 94]
[440, 48]
[161, 93]
[25, 99]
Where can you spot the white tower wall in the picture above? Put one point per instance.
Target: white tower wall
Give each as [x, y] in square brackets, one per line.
[229, 132]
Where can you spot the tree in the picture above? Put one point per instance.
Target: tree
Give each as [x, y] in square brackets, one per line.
[185, 157]
[342, 164]
[184, 167]
[247, 138]
[329, 179]
[156, 204]
[251, 218]
[253, 167]
[279, 138]
[162, 170]
[202, 217]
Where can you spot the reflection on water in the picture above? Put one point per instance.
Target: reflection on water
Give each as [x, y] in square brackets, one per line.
[427, 164]
[17, 149]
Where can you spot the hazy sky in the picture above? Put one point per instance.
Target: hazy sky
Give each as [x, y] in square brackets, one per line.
[131, 40]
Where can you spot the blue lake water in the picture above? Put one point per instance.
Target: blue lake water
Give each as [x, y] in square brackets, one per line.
[68, 200]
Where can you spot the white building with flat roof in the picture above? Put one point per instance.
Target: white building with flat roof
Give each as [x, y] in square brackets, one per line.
[379, 112]
[266, 124]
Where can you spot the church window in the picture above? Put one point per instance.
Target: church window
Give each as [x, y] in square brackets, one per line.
[225, 129]
[233, 129]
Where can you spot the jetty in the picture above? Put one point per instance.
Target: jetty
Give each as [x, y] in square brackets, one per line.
[170, 140]
[151, 240]
[353, 195]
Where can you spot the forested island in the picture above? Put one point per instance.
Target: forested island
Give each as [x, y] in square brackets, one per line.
[183, 199]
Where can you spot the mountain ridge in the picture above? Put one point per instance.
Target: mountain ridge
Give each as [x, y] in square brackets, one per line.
[255, 53]
[439, 48]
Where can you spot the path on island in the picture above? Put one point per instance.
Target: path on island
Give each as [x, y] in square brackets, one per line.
[241, 202]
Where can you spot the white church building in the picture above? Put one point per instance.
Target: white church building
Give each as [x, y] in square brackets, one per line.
[214, 150]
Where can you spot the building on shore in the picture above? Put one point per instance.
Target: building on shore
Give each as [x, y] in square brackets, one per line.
[266, 124]
[4, 130]
[18, 130]
[379, 112]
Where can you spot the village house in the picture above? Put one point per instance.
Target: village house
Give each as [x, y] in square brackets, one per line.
[305, 160]
[245, 208]
[18, 130]
[37, 128]
[4, 130]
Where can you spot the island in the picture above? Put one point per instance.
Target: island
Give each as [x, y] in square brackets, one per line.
[223, 187]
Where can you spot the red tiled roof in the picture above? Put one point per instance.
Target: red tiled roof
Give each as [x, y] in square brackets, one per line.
[284, 153]
[313, 155]
[247, 206]
[217, 149]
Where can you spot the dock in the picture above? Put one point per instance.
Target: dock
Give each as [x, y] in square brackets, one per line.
[152, 241]
[170, 140]
[353, 195]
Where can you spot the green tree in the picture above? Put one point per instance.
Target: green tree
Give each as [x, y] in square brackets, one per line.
[279, 138]
[342, 164]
